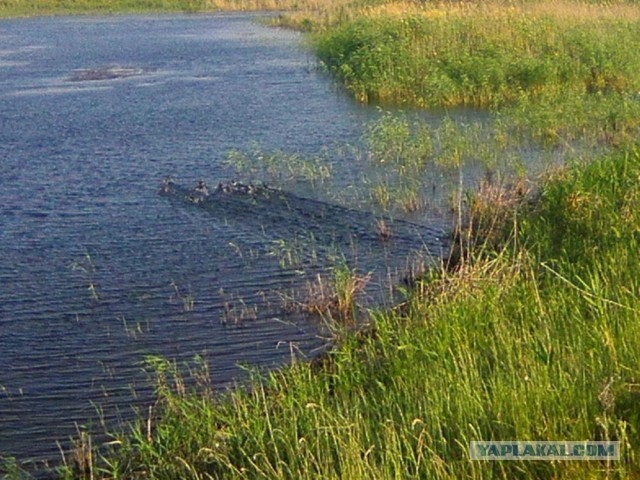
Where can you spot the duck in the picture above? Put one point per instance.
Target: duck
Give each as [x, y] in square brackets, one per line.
[167, 185]
[202, 188]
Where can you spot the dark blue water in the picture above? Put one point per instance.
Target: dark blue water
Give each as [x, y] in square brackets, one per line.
[96, 269]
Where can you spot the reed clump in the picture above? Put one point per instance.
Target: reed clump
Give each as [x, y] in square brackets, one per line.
[491, 211]
[258, 164]
[334, 297]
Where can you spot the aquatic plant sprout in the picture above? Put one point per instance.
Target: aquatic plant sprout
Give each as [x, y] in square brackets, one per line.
[410, 166]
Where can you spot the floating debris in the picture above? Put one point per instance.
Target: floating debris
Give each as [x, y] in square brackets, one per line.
[105, 73]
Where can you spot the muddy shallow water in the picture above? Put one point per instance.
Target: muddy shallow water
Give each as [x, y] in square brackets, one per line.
[97, 270]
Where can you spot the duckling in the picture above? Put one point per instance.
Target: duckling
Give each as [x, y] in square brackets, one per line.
[202, 188]
[167, 185]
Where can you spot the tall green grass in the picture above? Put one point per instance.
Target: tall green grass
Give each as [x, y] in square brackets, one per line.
[559, 75]
[481, 58]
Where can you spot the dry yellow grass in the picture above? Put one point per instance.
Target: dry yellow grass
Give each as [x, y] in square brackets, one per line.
[318, 14]
[584, 11]
[564, 9]
[326, 12]
[310, 6]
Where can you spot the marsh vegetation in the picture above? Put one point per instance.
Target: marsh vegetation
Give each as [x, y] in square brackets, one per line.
[534, 335]
[412, 167]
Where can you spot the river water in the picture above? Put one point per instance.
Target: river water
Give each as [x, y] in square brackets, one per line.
[97, 270]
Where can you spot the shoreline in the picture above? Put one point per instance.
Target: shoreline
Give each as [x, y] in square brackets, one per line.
[22, 9]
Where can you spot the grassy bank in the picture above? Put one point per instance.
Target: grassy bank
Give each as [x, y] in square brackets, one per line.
[537, 339]
[557, 69]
